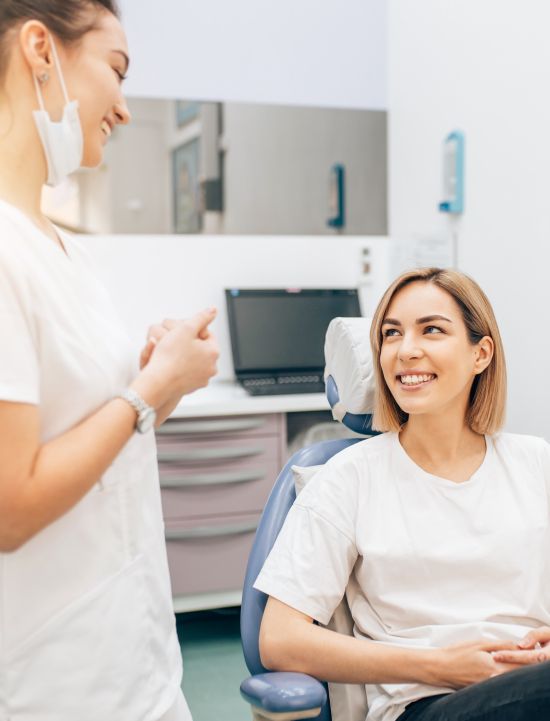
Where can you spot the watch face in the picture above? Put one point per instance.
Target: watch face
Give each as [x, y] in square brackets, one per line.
[146, 420]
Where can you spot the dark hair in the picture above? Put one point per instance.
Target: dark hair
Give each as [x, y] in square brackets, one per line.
[66, 19]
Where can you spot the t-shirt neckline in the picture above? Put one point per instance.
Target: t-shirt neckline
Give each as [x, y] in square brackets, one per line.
[63, 251]
[405, 460]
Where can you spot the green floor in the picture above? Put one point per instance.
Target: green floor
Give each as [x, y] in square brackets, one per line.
[213, 665]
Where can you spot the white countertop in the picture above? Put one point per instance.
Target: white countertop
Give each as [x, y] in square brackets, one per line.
[227, 398]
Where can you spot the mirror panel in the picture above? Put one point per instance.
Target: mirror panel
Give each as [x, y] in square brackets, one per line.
[233, 168]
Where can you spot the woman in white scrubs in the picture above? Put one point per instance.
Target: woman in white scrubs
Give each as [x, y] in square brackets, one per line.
[87, 629]
[437, 530]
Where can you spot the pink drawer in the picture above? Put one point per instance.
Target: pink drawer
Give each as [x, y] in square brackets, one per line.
[206, 556]
[177, 454]
[230, 487]
[217, 427]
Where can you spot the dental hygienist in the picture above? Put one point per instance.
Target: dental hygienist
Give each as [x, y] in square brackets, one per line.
[87, 628]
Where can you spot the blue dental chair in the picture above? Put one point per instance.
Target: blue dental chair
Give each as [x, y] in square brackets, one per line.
[281, 696]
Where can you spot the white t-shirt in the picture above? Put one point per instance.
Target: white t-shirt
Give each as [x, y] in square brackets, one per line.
[424, 562]
[87, 627]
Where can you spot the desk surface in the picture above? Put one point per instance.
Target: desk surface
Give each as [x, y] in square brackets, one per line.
[227, 398]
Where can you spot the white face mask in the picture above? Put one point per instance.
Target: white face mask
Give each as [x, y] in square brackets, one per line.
[62, 141]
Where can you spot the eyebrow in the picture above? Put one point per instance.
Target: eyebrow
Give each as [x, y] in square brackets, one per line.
[126, 58]
[419, 321]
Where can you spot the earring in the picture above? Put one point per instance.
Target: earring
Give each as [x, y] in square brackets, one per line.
[43, 78]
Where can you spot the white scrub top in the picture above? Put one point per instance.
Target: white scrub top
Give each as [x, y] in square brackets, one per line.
[424, 562]
[87, 628]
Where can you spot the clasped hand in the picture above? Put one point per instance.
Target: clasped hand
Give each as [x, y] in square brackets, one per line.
[180, 355]
[533, 648]
[466, 663]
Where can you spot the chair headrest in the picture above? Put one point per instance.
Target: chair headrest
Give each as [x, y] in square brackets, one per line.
[349, 374]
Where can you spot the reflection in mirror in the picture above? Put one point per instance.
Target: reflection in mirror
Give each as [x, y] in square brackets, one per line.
[186, 167]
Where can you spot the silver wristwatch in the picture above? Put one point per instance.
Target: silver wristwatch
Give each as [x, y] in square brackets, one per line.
[146, 415]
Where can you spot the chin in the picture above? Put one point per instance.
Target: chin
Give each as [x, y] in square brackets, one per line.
[413, 409]
[92, 157]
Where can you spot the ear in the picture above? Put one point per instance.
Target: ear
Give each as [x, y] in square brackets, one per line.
[484, 351]
[35, 44]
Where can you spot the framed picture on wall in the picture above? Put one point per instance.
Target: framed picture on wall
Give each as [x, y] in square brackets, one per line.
[185, 183]
[186, 111]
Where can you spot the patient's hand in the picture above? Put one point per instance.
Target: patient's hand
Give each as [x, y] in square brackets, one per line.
[467, 663]
[533, 648]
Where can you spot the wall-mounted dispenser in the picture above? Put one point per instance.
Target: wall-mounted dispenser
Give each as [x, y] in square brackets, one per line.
[337, 191]
[453, 173]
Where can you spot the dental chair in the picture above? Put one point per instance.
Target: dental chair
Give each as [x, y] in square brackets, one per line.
[281, 696]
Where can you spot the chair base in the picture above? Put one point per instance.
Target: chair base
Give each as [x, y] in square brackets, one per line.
[284, 716]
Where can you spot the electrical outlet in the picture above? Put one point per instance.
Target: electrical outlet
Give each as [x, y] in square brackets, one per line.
[365, 264]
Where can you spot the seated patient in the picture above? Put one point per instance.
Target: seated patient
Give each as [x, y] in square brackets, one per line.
[437, 531]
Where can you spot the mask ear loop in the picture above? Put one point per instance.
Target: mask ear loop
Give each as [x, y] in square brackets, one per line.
[39, 93]
[59, 73]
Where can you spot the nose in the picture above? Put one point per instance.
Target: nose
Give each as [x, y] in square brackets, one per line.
[122, 114]
[409, 348]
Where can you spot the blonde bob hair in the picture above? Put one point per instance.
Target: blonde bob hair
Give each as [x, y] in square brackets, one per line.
[487, 407]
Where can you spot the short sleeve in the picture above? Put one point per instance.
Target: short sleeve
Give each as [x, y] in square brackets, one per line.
[19, 368]
[314, 554]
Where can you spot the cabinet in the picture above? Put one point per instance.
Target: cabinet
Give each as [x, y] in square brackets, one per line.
[219, 455]
[215, 474]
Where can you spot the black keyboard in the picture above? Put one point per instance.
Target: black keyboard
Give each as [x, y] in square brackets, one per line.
[268, 386]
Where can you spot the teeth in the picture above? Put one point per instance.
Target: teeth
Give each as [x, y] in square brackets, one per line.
[416, 379]
[106, 128]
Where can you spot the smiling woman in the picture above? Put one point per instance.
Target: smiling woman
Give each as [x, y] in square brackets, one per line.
[441, 369]
[460, 332]
[90, 633]
[437, 531]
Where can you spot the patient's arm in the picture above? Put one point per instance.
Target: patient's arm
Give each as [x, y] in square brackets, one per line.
[290, 641]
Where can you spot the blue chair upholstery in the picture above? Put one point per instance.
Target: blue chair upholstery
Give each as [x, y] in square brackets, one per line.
[275, 693]
[357, 422]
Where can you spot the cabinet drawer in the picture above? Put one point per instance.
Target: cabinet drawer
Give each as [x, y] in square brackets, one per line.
[216, 427]
[230, 487]
[206, 556]
[175, 452]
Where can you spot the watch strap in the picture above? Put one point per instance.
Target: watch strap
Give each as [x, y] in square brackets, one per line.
[146, 414]
[136, 401]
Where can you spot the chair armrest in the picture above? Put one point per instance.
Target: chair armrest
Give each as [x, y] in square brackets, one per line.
[284, 696]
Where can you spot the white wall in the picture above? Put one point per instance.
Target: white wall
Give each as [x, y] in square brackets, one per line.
[483, 67]
[310, 52]
[154, 277]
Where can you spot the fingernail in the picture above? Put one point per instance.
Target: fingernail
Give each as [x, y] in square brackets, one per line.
[524, 643]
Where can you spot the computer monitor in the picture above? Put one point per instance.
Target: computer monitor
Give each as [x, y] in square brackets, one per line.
[278, 335]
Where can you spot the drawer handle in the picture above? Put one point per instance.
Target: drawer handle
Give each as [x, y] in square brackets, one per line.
[211, 531]
[208, 454]
[221, 426]
[210, 479]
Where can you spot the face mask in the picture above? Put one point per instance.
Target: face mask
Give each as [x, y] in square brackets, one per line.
[62, 141]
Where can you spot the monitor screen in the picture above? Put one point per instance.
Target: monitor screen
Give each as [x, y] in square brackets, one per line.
[284, 330]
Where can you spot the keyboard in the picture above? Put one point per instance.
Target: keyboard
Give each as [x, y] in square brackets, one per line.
[267, 386]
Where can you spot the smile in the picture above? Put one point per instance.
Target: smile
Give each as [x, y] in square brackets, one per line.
[416, 380]
[106, 128]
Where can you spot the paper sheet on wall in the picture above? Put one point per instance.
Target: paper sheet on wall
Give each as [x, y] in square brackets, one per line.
[421, 252]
